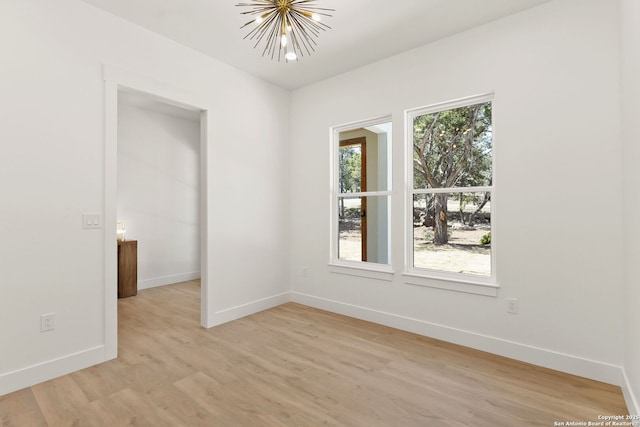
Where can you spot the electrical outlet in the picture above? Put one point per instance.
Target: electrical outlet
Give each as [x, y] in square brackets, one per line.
[512, 306]
[47, 322]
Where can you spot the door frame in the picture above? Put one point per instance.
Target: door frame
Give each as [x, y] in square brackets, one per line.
[115, 80]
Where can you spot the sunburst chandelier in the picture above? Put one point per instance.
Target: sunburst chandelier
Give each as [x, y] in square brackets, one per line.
[287, 27]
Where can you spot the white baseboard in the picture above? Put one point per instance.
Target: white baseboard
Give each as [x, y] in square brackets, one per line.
[35, 374]
[591, 369]
[167, 280]
[233, 313]
[629, 396]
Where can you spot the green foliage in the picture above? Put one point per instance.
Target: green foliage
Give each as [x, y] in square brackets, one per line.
[350, 159]
[453, 148]
[486, 239]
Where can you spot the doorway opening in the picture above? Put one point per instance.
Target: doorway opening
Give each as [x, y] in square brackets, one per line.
[118, 82]
[158, 204]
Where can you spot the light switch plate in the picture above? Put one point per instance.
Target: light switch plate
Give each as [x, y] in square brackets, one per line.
[91, 221]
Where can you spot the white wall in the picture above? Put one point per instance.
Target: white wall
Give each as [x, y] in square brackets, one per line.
[159, 191]
[52, 168]
[554, 70]
[630, 89]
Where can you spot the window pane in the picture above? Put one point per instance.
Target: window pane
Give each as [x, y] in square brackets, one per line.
[363, 231]
[350, 229]
[453, 148]
[364, 159]
[452, 232]
[351, 168]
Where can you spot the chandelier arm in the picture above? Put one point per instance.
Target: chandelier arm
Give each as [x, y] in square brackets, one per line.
[276, 34]
[297, 46]
[311, 8]
[309, 22]
[272, 39]
[260, 30]
[304, 25]
[315, 9]
[304, 38]
[265, 12]
[317, 26]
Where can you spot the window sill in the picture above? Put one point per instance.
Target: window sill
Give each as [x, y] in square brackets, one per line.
[458, 284]
[360, 269]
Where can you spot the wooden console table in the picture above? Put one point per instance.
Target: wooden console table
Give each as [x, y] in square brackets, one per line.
[127, 268]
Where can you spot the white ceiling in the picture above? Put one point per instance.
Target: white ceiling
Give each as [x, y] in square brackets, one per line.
[363, 31]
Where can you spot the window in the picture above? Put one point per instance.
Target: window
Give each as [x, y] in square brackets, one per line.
[451, 188]
[361, 194]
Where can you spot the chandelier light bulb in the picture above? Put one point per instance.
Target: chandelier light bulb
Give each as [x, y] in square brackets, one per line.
[283, 40]
[259, 20]
[316, 17]
[291, 56]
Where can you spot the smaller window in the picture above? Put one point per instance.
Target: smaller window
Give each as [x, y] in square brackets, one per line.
[360, 200]
[450, 233]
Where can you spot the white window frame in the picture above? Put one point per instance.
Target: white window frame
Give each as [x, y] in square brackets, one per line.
[462, 282]
[350, 267]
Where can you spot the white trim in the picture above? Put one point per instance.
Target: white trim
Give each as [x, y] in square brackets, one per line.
[453, 190]
[206, 139]
[110, 267]
[421, 276]
[35, 374]
[629, 396]
[357, 195]
[448, 105]
[167, 280]
[160, 91]
[118, 79]
[362, 269]
[243, 310]
[459, 283]
[336, 130]
[592, 369]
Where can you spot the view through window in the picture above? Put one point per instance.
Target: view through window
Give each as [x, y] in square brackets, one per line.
[452, 185]
[363, 192]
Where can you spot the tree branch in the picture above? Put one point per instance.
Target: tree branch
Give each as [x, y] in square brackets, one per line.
[428, 137]
[468, 147]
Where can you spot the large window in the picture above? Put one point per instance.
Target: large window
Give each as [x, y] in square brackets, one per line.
[361, 193]
[451, 188]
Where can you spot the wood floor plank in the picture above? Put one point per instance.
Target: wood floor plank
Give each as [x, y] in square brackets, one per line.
[297, 366]
[30, 419]
[17, 403]
[225, 406]
[61, 401]
[179, 408]
[99, 381]
[129, 408]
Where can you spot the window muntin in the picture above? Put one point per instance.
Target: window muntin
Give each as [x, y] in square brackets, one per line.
[451, 187]
[362, 192]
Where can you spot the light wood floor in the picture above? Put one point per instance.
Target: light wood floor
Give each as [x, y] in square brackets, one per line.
[297, 366]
